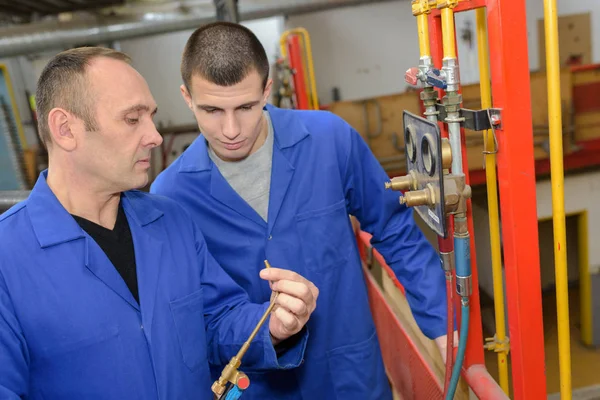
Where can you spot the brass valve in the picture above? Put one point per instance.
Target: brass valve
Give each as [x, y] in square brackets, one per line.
[406, 182]
[423, 197]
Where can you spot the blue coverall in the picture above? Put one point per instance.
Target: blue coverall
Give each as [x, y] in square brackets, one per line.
[71, 329]
[322, 170]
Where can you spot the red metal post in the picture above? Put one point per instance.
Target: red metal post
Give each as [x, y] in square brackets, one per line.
[295, 51]
[509, 63]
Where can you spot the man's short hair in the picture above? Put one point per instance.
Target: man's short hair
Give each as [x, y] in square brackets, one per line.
[62, 84]
[223, 53]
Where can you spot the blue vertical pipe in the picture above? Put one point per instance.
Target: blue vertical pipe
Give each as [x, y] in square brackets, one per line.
[462, 252]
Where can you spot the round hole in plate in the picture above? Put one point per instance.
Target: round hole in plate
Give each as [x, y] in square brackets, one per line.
[428, 155]
[410, 142]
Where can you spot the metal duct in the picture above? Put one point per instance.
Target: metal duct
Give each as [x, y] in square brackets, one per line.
[38, 37]
[9, 198]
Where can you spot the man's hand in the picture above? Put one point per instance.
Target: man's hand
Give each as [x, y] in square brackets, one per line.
[442, 344]
[295, 303]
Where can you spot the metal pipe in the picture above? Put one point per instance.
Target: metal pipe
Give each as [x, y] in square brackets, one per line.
[455, 144]
[482, 383]
[9, 198]
[558, 199]
[448, 31]
[38, 37]
[492, 195]
[423, 31]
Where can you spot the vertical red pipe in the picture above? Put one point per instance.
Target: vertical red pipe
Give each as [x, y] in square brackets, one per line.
[509, 63]
[295, 51]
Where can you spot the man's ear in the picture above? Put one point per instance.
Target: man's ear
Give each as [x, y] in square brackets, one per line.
[186, 96]
[267, 91]
[60, 123]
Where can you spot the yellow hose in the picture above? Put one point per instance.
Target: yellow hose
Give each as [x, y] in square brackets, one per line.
[558, 200]
[492, 194]
[448, 42]
[423, 30]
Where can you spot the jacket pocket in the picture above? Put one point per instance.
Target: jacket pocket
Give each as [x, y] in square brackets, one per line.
[325, 236]
[188, 315]
[357, 371]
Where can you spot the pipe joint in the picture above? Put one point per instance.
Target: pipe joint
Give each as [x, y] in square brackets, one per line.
[420, 7]
[456, 194]
[464, 286]
[447, 3]
[451, 102]
[448, 263]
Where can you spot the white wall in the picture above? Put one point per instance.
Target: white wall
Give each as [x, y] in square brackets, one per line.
[158, 59]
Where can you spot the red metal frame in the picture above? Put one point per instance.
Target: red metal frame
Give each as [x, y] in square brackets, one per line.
[409, 372]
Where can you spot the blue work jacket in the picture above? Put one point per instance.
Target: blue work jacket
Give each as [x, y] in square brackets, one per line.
[322, 171]
[71, 329]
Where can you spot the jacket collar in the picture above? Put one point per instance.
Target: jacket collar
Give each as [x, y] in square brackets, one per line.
[288, 129]
[53, 224]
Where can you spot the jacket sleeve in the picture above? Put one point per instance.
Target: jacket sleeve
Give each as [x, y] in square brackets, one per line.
[230, 318]
[14, 357]
[394, 231]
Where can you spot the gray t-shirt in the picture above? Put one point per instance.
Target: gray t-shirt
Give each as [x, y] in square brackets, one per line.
[251, 177]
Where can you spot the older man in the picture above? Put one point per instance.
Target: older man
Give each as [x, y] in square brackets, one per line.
[110, 293]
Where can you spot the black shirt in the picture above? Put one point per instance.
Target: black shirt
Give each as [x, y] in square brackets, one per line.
[117, 244]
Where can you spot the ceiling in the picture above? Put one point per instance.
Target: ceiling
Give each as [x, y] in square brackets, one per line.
[28, 9]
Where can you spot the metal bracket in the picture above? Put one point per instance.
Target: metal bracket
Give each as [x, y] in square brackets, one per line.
[497, 346]
[475, 120]
[227, 10]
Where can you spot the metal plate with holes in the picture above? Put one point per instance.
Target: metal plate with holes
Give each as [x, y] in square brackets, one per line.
[423, 144]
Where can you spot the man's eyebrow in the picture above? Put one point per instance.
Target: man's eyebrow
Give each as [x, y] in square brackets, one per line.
[139, 107]
[209, 107]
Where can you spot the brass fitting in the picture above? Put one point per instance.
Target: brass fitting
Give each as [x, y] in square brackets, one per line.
[456, 194]
[227, 375]
[422, 6]
[406, 182]
[451, 102]
[429, 96]
[423, 197]
[446, 153]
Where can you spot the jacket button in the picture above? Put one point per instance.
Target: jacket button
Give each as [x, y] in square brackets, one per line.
[270, 237]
